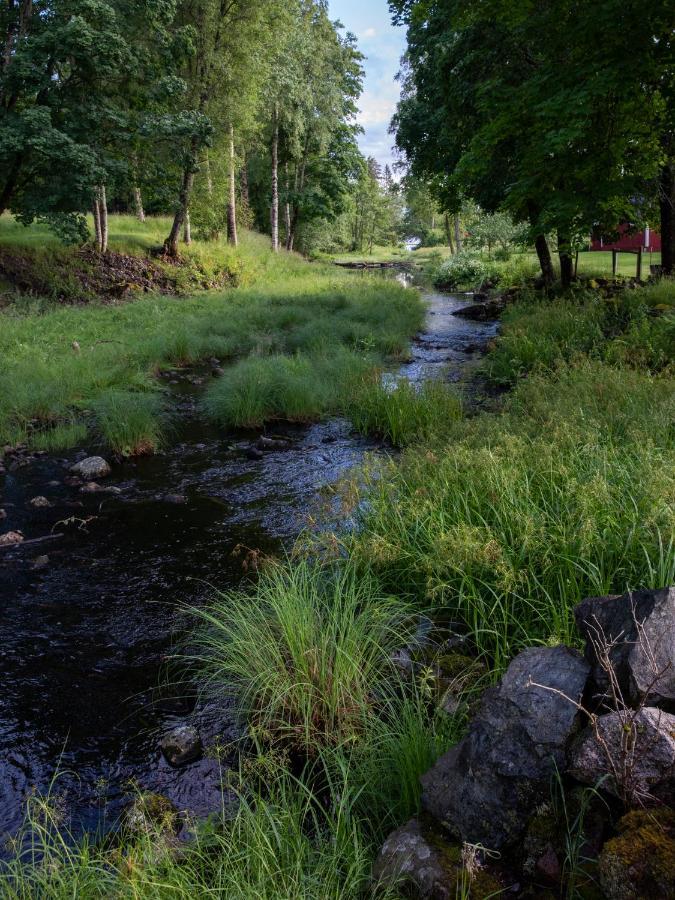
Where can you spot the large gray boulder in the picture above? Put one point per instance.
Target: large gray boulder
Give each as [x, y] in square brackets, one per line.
[91, 468]
[634, 657]
[485, 789]
[643, 755]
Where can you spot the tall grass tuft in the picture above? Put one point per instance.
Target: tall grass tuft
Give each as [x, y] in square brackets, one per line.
[402, 413]
[131, 423]
[307, 655]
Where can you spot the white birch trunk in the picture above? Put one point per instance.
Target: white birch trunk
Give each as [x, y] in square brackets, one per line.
[274, 212]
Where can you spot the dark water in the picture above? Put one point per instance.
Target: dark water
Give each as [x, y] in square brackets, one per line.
[88, 667]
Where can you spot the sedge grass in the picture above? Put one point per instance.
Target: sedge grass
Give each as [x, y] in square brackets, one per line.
[306, 655]
[401, 413]
[58, 362]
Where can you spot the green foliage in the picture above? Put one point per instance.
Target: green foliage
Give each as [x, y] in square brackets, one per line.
[131, 423]
[305, 309]
[466, 270]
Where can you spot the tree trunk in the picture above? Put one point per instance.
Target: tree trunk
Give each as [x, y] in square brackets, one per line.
[448, 234]
[566, 261]
[232, 201]
[458, 236]
[667, 207]
[96, 209]
[274, 212]
[243, 179]
[209, 177]
[545, 260]
[103, 212]
[171, 243]
[138, 204]
[287, 208]
[187, 228]
[11, 181]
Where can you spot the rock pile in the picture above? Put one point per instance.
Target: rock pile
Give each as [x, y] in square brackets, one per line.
[602, 720]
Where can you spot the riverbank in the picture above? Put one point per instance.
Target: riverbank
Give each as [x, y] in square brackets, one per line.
[69, 371]
[475, 544]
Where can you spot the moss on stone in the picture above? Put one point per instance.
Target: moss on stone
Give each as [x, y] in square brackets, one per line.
[639, 864]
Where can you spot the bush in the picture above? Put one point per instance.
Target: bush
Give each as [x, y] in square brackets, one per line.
[463, 270]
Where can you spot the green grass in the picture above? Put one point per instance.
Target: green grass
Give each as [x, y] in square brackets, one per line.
[131, 423]
[293, 308]
[306, 655]
[402, 413]
[501, 522]
[508, 522]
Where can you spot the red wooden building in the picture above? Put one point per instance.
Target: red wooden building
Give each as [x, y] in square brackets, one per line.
[646, 240]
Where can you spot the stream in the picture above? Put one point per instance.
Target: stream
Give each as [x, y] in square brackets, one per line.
[90, 622]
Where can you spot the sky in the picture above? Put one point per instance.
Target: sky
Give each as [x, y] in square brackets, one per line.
[383, 45]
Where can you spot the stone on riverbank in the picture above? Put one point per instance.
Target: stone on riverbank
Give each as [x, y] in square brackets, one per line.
[485, 788]
[415, 857]
[639, 864]
[91, 468]
[643, 752]
[639, 631]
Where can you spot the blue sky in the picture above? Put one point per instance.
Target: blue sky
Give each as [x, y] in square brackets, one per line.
[383, 45]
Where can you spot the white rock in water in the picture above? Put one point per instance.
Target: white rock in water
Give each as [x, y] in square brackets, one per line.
[91, 467]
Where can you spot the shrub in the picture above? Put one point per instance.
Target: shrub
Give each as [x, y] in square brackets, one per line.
[463, 270]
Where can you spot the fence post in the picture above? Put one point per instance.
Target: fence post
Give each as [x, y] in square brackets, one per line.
[576, 264]
[614, 256]
[639, 263]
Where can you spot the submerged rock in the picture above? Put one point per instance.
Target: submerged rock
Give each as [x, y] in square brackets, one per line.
[92, 467]
[645, 753]
[486, 788]
[639, 864]
[10, 537]
[181, 745]
[635, 653]
[39, 502]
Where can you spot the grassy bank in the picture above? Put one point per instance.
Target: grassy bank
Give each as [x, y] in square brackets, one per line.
[499, 524]
[69, 368]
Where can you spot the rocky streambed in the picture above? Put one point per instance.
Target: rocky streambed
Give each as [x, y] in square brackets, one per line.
[92, 603]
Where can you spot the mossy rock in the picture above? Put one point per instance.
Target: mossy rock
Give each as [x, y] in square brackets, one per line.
[152, 814]
[639, 864]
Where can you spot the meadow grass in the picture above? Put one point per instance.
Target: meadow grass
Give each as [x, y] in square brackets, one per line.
[58, 363]
[569, 491]
[131, 423]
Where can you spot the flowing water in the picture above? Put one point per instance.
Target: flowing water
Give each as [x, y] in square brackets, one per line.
[88, 635]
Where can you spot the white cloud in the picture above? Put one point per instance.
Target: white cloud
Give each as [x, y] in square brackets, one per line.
[369, 33]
